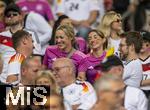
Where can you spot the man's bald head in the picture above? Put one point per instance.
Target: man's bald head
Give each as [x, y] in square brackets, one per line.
[64, 62]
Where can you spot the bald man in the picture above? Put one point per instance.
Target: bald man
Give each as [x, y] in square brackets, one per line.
[79, 94]
[110, 92]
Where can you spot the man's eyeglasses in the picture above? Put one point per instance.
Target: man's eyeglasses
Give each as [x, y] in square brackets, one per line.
[11, 14]
[57, 69]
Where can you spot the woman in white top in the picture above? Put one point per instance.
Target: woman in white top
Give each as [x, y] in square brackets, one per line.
[111, 26]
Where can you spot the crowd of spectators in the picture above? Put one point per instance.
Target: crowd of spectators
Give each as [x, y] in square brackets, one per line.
[89, 54]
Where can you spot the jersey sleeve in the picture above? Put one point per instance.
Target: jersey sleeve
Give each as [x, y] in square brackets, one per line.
[14, 64]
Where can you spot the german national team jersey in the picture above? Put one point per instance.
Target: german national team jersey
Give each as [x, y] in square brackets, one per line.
[81, 93]
[40, 6]
[77, 9]
[132, 75]
[146, 71]
[14, 65]
[53, 52]
[90, 66]
[135, 99]
[7, 50]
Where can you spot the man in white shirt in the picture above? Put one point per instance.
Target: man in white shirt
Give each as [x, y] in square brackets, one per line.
[23, 44]
[79, 94]
[83, 13]
[33, 23]
[109, 85]
[130, 46]
[135, 99]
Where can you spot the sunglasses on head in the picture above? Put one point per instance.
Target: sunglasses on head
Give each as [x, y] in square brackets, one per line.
[11, 14]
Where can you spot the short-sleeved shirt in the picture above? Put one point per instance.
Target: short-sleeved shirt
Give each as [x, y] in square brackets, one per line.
[135, 99]
[14, 65]
[80, 92]
[132, 75]
[77, 9]
[146, 71]
[90, 65]
[53, 52]
[40, 6]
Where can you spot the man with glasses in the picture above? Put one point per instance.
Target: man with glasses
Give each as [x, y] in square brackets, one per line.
[130, 46]
[79, 94]
[110, 90]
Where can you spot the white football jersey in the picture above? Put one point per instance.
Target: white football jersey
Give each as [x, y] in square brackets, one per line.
[80, 92]
[7, 50]
[77, 9]
[135, 99]
[132, 75]
[146, 71]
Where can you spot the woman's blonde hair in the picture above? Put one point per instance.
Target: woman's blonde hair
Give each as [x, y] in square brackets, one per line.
[69, 31]
[107, 20]
[49, 75]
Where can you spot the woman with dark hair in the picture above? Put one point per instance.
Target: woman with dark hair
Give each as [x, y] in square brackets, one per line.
[57, 23]
[88, 68]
